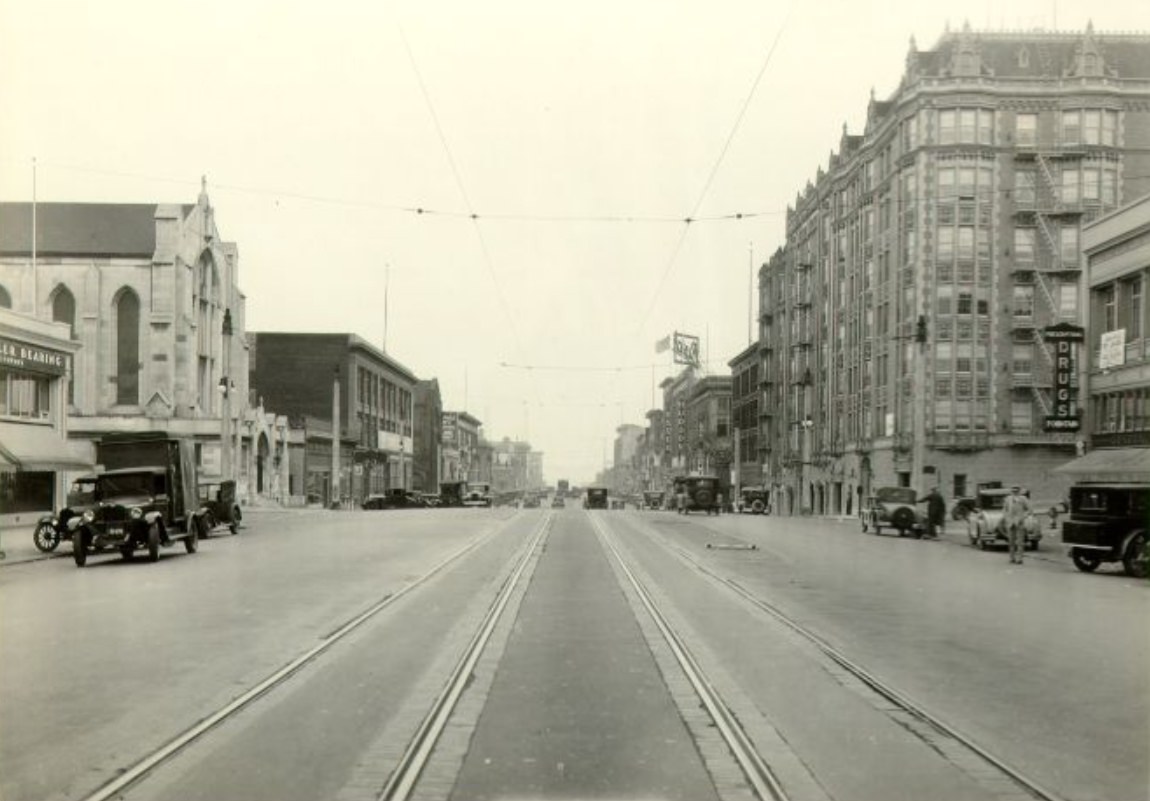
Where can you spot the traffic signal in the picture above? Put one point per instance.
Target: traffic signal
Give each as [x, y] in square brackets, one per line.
[920, 329]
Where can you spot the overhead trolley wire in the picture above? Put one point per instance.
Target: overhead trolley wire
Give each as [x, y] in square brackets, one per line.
[714, 171]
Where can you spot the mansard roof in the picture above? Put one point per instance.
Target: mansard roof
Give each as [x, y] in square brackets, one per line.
[1048, 54]
[81, 229]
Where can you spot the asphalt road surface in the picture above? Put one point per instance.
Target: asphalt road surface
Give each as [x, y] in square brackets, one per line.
[577, 693]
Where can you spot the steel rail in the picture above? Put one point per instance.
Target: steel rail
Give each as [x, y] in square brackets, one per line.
[138, 770]
[754, 767]
[406, 773]
[866, 677]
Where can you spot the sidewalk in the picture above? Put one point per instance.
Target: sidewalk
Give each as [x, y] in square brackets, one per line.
[16, 543]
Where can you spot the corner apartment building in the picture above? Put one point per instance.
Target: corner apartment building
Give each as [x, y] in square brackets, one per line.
[901, 334]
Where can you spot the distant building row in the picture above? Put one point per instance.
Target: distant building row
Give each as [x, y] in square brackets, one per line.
[128, 317]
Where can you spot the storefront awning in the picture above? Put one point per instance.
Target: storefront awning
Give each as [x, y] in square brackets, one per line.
[27, 446]
[1109, 464]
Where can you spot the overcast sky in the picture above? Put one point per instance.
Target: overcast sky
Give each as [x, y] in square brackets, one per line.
[578, 133]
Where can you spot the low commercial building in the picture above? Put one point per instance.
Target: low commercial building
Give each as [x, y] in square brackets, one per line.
[1116, 423]
[36, 361]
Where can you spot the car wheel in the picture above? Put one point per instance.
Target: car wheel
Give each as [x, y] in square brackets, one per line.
[757, 507]
[1135, 559]
[80, 547]
[1084, 560]
[192, 541]
[902, 519]
[46, 537]
[154, 542]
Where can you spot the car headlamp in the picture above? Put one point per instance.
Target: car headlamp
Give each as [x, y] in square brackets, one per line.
[135, 513]
[89, 515]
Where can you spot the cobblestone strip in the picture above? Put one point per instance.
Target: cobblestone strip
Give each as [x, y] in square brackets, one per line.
[728, 778]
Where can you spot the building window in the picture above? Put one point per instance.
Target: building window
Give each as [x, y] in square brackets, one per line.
[1024, 301]
[1025, 188]
[1109, 309]
[1021, 416]
[1072, 127]
[1068, 299]
[1022, 358]
[1068, 239]
[1069, 188]
[1134, 314]
[1024, 242]
[1109, 128]
[127, 326]
[5, 299]
[64, 311]
[24, 395]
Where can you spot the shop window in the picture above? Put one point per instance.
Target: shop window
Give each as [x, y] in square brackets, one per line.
[24, 395]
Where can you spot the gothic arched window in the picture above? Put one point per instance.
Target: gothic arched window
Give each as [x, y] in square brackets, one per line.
[127, 316]
[64, 309]
[5, 299]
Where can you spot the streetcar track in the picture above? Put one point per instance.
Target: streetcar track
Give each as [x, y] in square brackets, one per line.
[756, 770]
[126, 777]
[900, 701]
[406, 774]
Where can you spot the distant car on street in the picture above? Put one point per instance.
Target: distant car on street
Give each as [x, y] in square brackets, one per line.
[894, 507]
[596, 498]
[395, 499]
[754, 500]
[557, 502]
[478, 494]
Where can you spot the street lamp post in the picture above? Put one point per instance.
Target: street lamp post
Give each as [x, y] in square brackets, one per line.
[225, 387]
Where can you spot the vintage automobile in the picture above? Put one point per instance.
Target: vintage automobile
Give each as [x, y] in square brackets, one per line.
[702, 494]
[557, 501]
[1108, 523]
[653, 499]
[478, 494]
[451, 493]
[147, 498]
[596, 498]
[754, 500]
[221, 508]
[897, 508]
[985, 526]
[395, 498]
[965, 504]
[51, 529]
[136, 508]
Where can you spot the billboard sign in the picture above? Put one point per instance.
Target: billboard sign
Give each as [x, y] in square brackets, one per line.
[686, 349]
[1113, 353]
[450, 424]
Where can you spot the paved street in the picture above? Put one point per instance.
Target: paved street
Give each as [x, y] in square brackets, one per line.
[576, 691]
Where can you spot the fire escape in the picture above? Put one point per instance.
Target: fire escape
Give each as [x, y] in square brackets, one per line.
[1048, 213]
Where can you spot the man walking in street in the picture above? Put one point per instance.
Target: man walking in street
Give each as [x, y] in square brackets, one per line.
[1015, 511]
[935, 513]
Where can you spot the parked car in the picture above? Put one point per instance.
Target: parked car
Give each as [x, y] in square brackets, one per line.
[895, 507]
[218, 499]
[985, 526]
[147, 498]
[396, 498]
[754, 500]
[1108, 523]
[52, 529]
[702, 493]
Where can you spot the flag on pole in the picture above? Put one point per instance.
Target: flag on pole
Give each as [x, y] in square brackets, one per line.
[686, 349]
[663, 345]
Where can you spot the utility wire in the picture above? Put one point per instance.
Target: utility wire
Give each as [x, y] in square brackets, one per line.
[715, 169]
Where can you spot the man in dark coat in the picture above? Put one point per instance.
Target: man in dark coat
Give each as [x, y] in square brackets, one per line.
[935, 513]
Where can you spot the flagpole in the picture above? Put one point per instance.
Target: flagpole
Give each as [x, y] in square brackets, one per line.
[35, 277]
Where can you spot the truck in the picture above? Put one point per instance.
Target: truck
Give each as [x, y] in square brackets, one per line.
[562, 488]
[146, 498]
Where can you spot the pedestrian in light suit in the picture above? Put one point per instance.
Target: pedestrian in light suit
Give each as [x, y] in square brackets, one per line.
[1015, 510]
